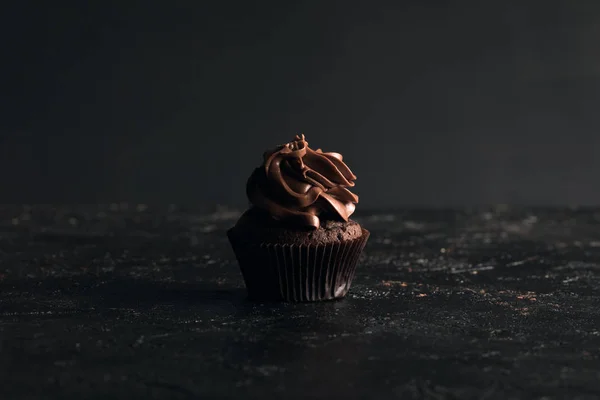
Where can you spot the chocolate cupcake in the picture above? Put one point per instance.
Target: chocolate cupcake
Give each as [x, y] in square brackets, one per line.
[297, 242]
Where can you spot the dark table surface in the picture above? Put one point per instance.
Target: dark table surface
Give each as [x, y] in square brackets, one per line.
[130, 301]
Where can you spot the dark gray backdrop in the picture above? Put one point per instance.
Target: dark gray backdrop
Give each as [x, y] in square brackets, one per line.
[431, 104]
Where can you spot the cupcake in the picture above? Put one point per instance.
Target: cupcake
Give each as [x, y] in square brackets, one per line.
[297, 241]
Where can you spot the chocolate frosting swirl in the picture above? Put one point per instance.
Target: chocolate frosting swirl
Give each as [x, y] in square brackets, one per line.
[298, 185]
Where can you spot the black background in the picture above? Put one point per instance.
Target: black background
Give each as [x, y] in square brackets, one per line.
[431, 103]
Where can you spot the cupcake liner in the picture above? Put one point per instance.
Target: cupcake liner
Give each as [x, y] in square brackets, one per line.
[298, 273]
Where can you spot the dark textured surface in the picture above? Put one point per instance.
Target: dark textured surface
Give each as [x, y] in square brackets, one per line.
[126, 301]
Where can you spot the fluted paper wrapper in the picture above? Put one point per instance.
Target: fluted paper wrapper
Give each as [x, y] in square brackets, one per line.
[298, 273]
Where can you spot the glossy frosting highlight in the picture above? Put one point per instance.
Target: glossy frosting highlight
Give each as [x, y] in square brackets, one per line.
[299, 185]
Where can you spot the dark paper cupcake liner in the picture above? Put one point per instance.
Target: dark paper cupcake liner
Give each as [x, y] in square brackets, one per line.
[298, 273]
